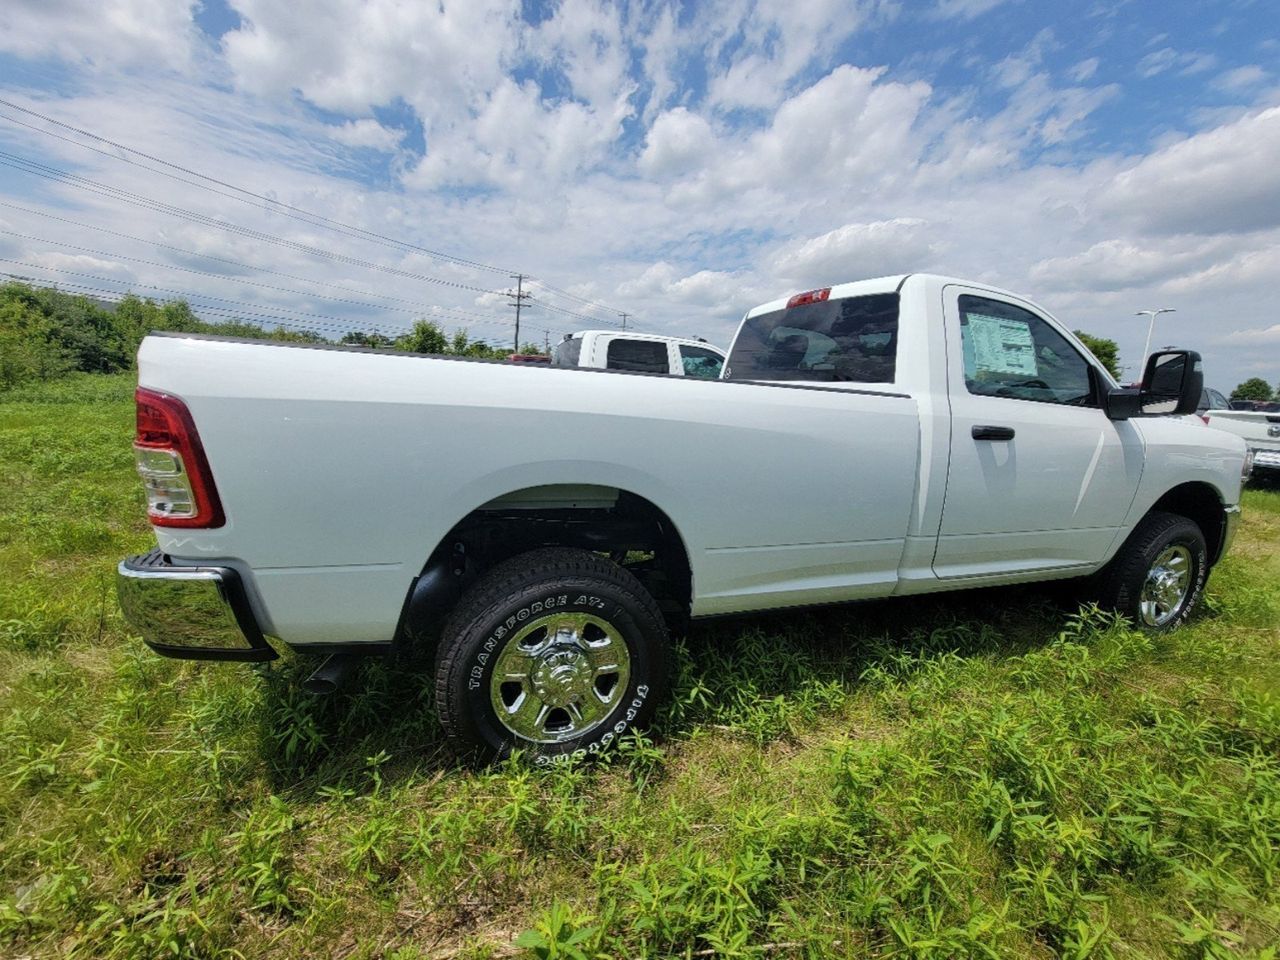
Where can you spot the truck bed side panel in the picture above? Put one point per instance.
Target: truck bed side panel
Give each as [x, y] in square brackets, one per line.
[340, 471]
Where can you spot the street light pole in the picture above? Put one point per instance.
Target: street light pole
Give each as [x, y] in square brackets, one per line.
[1146, 350]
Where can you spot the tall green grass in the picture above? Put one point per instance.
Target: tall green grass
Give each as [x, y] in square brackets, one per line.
[983, 774]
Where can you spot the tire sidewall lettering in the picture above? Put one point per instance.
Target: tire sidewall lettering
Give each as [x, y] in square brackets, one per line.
[485, 656]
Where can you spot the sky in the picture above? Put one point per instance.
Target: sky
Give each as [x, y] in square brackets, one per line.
[339, 164]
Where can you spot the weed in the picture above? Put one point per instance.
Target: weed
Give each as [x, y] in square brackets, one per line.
[975, 775]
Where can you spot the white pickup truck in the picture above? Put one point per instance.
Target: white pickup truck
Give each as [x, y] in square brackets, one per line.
[545, 529]
[639, 353]
[1260, 431]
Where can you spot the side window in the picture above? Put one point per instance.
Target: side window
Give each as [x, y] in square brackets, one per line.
[645, 356]
[1011, 352]
[700, 362]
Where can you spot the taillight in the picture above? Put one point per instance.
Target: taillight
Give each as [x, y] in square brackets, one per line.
[172, 464]
[1205, 419]
[809, 296]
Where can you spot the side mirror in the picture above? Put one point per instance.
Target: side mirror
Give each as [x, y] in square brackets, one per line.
[1172, 384]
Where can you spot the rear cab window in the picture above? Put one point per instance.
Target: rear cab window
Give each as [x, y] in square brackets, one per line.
[641, 356]
[847, 340]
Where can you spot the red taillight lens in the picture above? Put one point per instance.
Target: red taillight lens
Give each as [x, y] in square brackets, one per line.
[809, 296]
[172, 464]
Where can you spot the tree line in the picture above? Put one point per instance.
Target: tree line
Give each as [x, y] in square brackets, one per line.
[46, 333]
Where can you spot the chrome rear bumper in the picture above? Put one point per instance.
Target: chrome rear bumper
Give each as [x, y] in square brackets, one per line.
[194, 613]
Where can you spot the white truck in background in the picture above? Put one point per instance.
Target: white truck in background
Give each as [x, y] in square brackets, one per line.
[1259, 429]
[639, 353]
[544, 530]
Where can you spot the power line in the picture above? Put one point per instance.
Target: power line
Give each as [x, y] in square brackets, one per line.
[343, 324]
[573, 296]
[229, 313]
[420, 306]
[114, 193]
[248, 196]
[167, 266]
[184, 294]
[240, 193]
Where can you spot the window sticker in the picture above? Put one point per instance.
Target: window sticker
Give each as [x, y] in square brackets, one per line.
[1001, 345]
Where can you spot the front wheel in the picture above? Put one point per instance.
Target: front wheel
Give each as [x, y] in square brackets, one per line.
[1159, 573]
[557, 652]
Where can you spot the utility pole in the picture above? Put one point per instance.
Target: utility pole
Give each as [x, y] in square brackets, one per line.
[624, 319]
[547, 335]
[519, 298]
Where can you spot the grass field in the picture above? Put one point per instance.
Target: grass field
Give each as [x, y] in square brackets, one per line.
[975, 775]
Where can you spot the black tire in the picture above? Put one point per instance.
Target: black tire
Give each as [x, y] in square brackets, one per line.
[1122, 582]
[565, 614]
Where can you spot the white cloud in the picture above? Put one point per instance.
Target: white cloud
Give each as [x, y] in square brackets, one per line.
[1223, 180]
[347, 56]
[1125, 264]
[880, 248]
[1167, 58]
[1244, 269]
[1254, 335]
[705, 288]
[1241, 78]
[846, 127]
[678, 141]
[121, 33]
[584, 40]
[366, 133]
[576, 149]
[1084, 70]
[773, 45]
[965, 9]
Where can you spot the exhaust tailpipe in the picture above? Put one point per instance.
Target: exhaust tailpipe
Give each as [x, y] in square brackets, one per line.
[330, 676]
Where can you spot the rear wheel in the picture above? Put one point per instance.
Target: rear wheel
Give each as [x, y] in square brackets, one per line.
[1159, 573]
[556, 652]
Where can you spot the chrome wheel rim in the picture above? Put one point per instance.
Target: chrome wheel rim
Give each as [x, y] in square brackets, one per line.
[559, 677]
[1166, 587]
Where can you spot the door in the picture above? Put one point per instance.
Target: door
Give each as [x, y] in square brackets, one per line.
[1039, 478]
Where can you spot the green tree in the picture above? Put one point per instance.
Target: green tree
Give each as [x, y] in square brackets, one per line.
[29, 347]
[425, 337]
[1255, 388]
[1107, 351]
[358, 338]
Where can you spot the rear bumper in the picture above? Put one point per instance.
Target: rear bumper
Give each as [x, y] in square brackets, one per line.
[194, 613]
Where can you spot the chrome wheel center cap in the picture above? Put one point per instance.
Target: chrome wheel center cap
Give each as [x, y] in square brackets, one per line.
[561, 675]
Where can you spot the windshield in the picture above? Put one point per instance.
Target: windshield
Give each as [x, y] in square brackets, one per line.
[852, 339]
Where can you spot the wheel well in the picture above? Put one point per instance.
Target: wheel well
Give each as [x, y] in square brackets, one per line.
[628, 528]
[1201, 504]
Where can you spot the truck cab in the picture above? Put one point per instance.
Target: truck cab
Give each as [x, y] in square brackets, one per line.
[639, 353]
